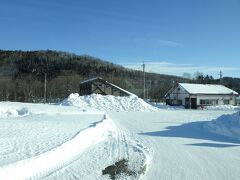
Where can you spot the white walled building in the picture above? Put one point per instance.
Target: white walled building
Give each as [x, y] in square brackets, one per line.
[194, 95]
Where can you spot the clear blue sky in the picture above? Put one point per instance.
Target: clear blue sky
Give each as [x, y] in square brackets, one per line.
[171, 36]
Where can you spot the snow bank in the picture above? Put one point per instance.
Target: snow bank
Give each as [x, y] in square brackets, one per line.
[227, 125]
[13, 112]
[37, 168]
[108, 102]
[222, 107]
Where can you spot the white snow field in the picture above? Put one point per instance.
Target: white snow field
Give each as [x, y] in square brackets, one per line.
[80, 137]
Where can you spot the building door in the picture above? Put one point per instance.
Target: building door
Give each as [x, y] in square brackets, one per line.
[193, 103]
[187, 103]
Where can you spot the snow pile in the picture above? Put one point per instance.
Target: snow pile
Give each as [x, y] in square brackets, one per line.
[108, 102]
[227, 125]
[13, 112]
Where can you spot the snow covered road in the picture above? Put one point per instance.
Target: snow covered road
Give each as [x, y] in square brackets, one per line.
[180, 148]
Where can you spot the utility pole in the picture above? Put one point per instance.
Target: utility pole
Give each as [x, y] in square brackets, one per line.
[150, 89]
[143, 80]
[220, 74]
[45, 87]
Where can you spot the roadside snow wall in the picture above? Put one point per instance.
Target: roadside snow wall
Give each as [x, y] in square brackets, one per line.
[223, 107]
[108, 102]
[226, 125]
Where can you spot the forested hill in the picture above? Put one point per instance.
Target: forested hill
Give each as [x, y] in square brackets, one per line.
[22, 75]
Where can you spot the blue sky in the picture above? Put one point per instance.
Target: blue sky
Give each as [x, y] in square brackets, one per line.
[171, 36]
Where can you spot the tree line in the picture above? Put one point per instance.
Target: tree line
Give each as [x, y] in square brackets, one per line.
[22, 76]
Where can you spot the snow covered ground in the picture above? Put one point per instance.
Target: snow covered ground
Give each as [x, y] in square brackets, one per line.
[80, 137]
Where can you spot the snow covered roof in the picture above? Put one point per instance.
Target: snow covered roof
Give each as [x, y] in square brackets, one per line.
[131, 94]
[206, 89]
[92, 79]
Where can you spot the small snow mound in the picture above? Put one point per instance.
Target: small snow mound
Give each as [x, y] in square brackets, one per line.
[73, 95]
[109, 102]
[23, 111]
[12, 112]
[73, 100]
[226, 125]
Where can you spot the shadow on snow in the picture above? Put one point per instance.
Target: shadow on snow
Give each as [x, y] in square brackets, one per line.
[214, 145]
[194, 130]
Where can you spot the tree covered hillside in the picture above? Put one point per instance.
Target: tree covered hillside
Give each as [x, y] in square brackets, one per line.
[22, 75]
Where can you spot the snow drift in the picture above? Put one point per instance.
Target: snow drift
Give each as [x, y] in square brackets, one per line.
[108, 102]
[226, 125]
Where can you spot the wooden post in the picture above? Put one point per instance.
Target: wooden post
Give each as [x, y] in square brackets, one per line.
[104, 88]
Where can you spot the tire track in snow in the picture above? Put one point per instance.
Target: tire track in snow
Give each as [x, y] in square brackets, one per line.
[119, 144]
[44, 164]
[125, 146]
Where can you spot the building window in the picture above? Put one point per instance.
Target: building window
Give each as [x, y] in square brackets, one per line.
[226, 101]
[202, 101]
[179, 102]
[208, 102]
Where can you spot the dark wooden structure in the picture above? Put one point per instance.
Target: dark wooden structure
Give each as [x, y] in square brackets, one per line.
[99, 86]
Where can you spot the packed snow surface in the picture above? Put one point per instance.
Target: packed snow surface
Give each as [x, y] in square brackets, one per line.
[227, 125]
[108, 103]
